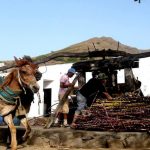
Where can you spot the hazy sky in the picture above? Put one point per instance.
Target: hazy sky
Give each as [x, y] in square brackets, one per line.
[36, 27]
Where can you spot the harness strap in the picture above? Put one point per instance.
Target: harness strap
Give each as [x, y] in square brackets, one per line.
[20, 82]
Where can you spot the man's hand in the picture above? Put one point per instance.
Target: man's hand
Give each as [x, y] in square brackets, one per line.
[107, 95]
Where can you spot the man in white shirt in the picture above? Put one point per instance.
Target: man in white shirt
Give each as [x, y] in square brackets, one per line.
[64, 84]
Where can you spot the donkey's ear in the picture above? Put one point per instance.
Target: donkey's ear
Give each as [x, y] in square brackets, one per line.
[16, 60]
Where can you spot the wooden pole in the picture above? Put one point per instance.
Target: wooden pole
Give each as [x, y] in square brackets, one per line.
[53, 116]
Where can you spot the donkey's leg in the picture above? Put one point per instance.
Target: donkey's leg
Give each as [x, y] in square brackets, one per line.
[25, 123]
[9, 120]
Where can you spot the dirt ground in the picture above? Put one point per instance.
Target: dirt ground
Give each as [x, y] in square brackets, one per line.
[68, 139]
[21, 147]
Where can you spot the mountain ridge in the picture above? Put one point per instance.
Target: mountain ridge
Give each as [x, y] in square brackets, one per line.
[92, 44]
[101, 43]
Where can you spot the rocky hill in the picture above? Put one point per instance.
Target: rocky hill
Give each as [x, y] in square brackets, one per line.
[90, 45]
[98, 43]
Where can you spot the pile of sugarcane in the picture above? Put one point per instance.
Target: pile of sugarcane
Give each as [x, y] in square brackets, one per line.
[120, 114]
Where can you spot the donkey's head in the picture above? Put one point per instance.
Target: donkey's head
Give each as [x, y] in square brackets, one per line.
[26, 72]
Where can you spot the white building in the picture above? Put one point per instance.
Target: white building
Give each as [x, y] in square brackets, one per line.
[143, 74]
[49, 84]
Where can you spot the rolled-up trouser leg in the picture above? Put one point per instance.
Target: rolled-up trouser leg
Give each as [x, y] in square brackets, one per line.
[81, 102]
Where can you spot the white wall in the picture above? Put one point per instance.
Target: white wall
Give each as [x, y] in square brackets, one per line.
[50, 79]
[143, 74]
[51, 76]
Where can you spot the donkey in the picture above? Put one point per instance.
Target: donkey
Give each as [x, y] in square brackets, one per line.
[21, 78]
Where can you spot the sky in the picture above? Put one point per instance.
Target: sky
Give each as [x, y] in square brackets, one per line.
[37, 27]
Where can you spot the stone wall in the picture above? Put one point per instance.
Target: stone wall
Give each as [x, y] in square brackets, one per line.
[69, 138]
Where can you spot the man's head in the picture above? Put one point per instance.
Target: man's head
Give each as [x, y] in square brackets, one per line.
[102, 77]
[71, 72]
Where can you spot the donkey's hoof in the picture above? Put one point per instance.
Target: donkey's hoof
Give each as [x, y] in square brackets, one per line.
[24, 139]
[8, 147]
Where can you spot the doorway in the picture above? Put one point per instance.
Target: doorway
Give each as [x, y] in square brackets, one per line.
[47, 101]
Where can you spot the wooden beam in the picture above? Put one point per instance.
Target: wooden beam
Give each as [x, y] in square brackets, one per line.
[92, 54]
[97, 53]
